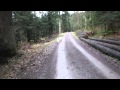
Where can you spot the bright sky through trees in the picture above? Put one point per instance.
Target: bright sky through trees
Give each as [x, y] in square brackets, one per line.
[39, 14]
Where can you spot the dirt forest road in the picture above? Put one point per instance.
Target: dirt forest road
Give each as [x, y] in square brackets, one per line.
[72, 60]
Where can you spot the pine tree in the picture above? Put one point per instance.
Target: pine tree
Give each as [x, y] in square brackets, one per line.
[66, 22]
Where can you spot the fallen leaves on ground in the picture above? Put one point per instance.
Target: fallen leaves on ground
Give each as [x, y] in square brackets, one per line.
[28, 57]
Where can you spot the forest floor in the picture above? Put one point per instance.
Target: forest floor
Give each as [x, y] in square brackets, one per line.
[29, 56]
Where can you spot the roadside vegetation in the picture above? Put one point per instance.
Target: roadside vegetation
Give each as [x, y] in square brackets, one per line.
[103, 23]
[99, 29]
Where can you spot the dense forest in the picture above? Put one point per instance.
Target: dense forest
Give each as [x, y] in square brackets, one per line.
[25, 26]
[30, 27]
[102, 22]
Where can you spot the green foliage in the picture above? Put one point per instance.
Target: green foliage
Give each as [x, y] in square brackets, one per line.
[107, 19]
[106, 32]
[52, 21]
[29, 27]
[103, 22]
[22, 21]
[66, 26]
[77, 21]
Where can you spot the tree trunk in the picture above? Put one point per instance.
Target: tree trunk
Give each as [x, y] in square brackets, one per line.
[106, 41]
[115, 39]
[7, 34]
[103, 49]
[115, 47]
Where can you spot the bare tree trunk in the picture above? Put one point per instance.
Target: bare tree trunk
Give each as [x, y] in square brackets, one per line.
[59, 23]
[7, 34]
